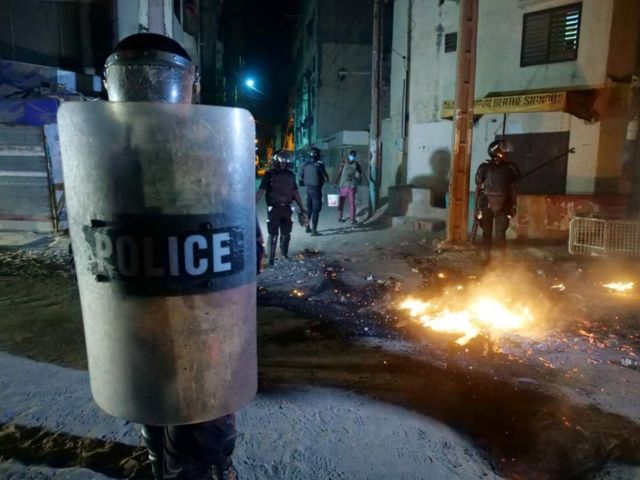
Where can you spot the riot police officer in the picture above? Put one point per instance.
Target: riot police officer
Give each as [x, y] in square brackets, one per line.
[154, 68]
[496, 179]
[313, 177]
[279, 184]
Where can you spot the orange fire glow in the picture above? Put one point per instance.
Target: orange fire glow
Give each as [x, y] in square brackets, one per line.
[618, 287]
[480, 315]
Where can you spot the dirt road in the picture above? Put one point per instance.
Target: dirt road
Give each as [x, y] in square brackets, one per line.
[342, 371]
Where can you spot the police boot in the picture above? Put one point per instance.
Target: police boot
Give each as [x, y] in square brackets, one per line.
[284, 245]
[153, 438]
[273, 243]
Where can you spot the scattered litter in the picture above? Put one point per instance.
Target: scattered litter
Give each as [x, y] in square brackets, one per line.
[630, 363]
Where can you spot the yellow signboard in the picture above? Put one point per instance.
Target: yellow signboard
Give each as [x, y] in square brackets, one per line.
[538, 102]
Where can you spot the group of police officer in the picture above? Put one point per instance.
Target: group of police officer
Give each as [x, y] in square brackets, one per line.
[156, 69]
[495, 181]
[280, 190]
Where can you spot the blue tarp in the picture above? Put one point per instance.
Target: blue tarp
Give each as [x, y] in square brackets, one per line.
[35, 112]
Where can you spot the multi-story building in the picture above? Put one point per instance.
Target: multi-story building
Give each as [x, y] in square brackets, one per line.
[53, 51]
[551, 75]
[332, 89]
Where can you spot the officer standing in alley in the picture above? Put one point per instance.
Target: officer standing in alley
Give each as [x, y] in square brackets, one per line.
[496, 179]
[279, 184]
[163, 231]
[313, 177]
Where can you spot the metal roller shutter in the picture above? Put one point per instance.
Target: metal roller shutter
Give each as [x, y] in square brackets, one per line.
[25, 186]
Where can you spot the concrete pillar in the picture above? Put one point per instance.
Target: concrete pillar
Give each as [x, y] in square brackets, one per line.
[156, 14]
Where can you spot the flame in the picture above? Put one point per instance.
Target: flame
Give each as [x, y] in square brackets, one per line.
[482, 315]
[560, 287]
[618, 287]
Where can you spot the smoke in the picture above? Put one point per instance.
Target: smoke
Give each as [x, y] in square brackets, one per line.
[520, 287]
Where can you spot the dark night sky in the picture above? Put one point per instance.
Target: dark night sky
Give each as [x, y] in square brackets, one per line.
[262, 32]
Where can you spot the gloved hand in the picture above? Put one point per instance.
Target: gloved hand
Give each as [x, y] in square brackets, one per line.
[303, 218]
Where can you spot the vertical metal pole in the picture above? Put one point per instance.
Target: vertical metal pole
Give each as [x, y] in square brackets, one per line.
[375, 157]
[463, 127]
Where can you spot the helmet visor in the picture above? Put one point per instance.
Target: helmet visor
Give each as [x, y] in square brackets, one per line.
[150, 83]
[149, 76]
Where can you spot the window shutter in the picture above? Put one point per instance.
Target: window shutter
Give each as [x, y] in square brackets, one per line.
[450, 42]
[550, 36]
[565, 30]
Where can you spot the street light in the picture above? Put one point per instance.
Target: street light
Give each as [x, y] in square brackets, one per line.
[250, 83]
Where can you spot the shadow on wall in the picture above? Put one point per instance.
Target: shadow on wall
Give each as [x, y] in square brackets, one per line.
[438, 181]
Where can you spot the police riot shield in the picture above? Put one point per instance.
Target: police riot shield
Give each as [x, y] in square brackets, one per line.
[160, 200]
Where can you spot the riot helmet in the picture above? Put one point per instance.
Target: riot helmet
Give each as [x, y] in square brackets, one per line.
[147, 67]
[279, 160]
[314, 153]
[289, 164]
[498, 150]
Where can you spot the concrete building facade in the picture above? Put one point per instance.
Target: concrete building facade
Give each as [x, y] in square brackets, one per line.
[527, 51]
[53, 51]
[332, 88]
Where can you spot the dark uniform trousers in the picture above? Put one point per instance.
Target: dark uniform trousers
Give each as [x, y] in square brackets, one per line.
[189, 452]
[498, 217]
[194, 448]
[279, 219]
[314, 203]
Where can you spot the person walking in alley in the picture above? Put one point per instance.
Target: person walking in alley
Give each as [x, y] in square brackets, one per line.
[347, 179]
[496, 179]
[279, 184]
[313, 177]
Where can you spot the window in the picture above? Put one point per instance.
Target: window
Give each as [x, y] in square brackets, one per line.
[551, 36]
[450, 42]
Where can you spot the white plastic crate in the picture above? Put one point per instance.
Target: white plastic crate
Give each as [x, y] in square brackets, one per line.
[594, 236]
